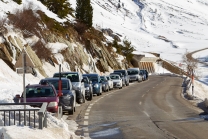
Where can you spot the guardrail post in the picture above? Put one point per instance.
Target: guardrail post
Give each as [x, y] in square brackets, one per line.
[60, 112]
[45, 121]
[42, 116]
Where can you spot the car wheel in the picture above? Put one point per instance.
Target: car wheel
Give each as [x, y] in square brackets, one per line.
[101, 91]
[83, 98]
[90, 97]
[71, 112]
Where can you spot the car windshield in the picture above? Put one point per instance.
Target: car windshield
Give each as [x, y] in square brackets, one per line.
[85, 80]
[39, 92]
[74, 77]
[120, 71]
[132, 72]
[102, 78]
[55, 83]
[114, 77]
[93, 78]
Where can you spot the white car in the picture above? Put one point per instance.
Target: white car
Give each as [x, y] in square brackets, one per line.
[117, 81]
[110, 82]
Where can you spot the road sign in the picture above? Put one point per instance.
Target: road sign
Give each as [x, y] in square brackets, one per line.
[27, 70]
[28, 61]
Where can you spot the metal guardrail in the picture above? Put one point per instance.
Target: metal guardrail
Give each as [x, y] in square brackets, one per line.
[42, 114]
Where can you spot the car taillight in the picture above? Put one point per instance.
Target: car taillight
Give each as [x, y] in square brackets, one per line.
[53, 104]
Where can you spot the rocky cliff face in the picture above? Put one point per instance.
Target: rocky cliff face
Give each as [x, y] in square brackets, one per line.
[75, 54]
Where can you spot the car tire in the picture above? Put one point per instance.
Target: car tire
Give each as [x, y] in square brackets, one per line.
[90, 97]
[101, 91]
[107, 89]
[71, 112]
[83, 98]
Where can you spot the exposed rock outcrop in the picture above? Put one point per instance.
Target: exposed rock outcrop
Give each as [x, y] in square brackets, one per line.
[76, 54]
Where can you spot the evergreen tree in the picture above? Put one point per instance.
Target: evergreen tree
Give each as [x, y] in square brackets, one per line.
[127, 50]
[18, 1]
[84, 12]
[60, 7]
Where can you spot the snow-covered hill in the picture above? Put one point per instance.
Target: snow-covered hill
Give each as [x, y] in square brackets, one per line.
[167, 27]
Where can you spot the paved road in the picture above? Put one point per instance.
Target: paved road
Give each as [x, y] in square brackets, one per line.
[153, 109]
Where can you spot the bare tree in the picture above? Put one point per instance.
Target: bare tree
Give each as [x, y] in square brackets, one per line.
[190, 62]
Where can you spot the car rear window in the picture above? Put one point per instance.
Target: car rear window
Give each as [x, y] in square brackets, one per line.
[102, 78]
[39, 92]
[120, 71]
[55, 83]
[114, 77]
[133, 72]
[74, 77]
[93, 78]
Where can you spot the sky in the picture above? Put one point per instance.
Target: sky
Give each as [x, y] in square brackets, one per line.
[169, 28]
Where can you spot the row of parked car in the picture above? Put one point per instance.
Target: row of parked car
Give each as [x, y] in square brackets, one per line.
[68, 88]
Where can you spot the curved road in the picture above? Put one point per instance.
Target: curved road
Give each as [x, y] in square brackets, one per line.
[154, 109]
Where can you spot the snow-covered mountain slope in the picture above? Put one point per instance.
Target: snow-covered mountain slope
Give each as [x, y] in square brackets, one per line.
[162, 26]
[168, 27]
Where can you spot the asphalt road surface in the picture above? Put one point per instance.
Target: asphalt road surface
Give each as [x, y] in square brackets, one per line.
[154, 109]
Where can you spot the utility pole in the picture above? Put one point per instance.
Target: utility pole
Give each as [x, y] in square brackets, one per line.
[24, 70]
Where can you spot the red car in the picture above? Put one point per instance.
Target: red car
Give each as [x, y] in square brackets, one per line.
[42, 93]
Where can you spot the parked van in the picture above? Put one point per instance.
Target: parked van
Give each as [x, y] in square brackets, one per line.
[134, 74]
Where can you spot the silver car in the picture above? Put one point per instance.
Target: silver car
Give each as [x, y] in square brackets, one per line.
[77, 84]
[134, 75]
